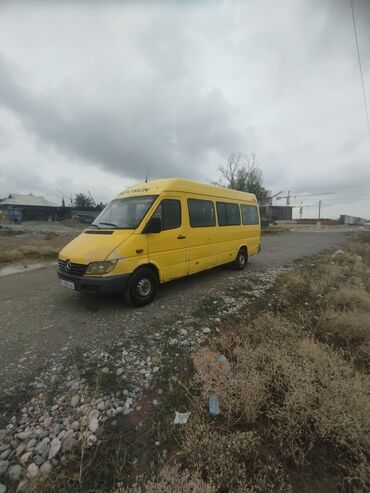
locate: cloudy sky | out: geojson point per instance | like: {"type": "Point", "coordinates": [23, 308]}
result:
{"type": "Point", "coordinates": [94, 93]}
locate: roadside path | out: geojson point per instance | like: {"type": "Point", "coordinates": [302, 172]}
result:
{"type": "Point", "coordinates": [40, 322]}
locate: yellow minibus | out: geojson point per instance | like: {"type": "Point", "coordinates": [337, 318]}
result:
{"type": "Point", "coordinates": [154, 232]}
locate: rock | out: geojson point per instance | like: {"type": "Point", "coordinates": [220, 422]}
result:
{"type": "Point", "coordinates": [93, 414]}
{"type": "Point", "coordinates": [3, 434]}
{"type": "Point", "coordinates": [206, 330]}
{"type": "Point", "coordinates": [5, 454]}
{"type": "Point", "coordinates": [31, 444]}
{"type": "Point", "coordinates": [75, 400]}
{"type": "Point", "coordinates": [119, 371]}
{"type": "Point", "coordinates": [55, 446]}
{"type": "Point", "coordinates": [24, 435]}
{"type": "Point", "coordinates": [20, 449]}
{"type": "Point", "coordinates": [38, 460]}
{"type": "Point", "coordinates": [91, 440]}
{"type": "Point", "coordinates": [184, 332]}
{"type": "Point", "coordinates": [32, 471]}
{"type": "Point", "coordinates": [75, 386]}
{"type": "Point", "coordinates": [69, 441]}
{"type": "Point", "coordinates": [26, 457]}
{"type": "Point", "coordinates": [43, 447]}
{"type": "Point", "coordinates": [64, 460]}
{"type": "Point", "coordinates": [47, 422]}
{"type": "Point", "coordinates": [93, 424]}
{"type": "Point", "coordinates": [339, 254]}
{"type": "Point", "coordinates": [75, 426]}
{"type": "Point", "coordinates": [22, 487]}
{"type": "Point", "coordinates": [155, 402]}
{"type": "Point", "coordinates": [15, 473]}
{"type": "Point", "coordinates": [61, 434]}
{"type": "Point", "coordinates": [2, 488]}
{"type": "Point", "coordinates": [46, 468]}
{"type": "Point", "coordinates": [57, 429]}
{"type": "Point", "coordinates": [4, 464]}
{"type": "Point", "coordinates": [69, 444]}
{"type": "Point", "coordinates": [101, 406]}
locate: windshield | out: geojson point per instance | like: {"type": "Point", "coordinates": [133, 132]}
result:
{"type": "Point", "coordinates": [124, 213]}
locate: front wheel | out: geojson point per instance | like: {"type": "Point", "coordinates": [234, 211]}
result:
{"type": "Point", "coordinates": [241, 259]}
{"type": "Point", "coordinates": [142, 287]}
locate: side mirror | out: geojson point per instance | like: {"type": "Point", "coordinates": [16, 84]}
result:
{"type": "Point", "coordinates": [154, 225]}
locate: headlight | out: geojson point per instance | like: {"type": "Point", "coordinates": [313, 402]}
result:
{"type": "Point", "coordinates": [100, 267]}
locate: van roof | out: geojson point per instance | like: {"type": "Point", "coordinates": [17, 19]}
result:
{"type": "Point", "coordinates": [181, 185]}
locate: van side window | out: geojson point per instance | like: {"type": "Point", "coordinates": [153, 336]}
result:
{"type": "Point", "coordinates": [228, 214]}
{"type": "Point", "coordinates": [201, 213]}
{"type": "Point", "coordinates": [169, 211]}
{"type": "Point", "coordinates": [249, 214]}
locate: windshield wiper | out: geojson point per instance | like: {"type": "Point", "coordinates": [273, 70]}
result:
{"type": "Point", "coordinates": [110, 224]}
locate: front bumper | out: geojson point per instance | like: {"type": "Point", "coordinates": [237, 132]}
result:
{"type": "Point", "coordinates": [98, 285]}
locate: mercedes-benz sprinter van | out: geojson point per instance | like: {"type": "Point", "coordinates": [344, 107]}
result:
{"type": "Point", "coordinates": [158, 231]}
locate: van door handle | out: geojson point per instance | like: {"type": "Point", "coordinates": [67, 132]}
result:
{"type": "Point", "coordinates": [181, 237]}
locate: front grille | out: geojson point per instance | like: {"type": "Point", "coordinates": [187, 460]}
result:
{"type": "Point", "coordinates": [75, 270]}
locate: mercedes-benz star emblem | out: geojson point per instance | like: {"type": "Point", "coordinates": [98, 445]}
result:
{"type": "Point", "coordinates": [68, 265]}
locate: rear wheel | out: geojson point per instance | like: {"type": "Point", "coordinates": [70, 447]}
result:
{"type": "Point", "coordinates": [241, 259]}
{"type": "Point", "coordinates": [142, 287]}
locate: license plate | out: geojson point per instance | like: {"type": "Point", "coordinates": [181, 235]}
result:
{"type": "Point", "coordinates": [67, 284]}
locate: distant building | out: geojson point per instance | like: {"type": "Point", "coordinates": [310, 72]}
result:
{"type": "Point", "coordinates": [277, 212]}
{"type": "Point", "coordinates": [20, 208]}
{"type": "Point", "coordinates": [344, 219]}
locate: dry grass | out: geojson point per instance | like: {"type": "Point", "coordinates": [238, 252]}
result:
{"type": "Point", "coordinates": [171, 480]}
{"type": "Point", "coordinates": [348, 299]}
{"type": "Point", "coordinates": [234, 461]}
{"type": "Point", "coordinates": [309, 401]}
{"type": "Point", "coordinates": [291, 405]}
{"type": "Point", "coordinates": [28, 252]}
{"type": "Point", "coordinates": [349, 330]}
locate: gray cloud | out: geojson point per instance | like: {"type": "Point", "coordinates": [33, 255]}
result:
{"type": "Point", "coordinates": [126, 133]}
{"type": "Point", "coordinates": [179, 86]}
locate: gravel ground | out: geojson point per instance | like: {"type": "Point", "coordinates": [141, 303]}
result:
{"type": "Point", "coordinates": [40, 321]}
{"type": "Point", "coordinates": [71, 362]}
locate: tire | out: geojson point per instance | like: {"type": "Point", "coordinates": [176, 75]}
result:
{"type": "Point", "coordinates": [241, 259]}
{"type": "Point", "coordinates": [142, 287]}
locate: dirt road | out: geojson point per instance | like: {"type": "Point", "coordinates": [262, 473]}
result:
{"type": "Point", "coordinates": [40, 322]}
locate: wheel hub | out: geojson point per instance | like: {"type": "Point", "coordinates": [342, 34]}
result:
{"type": "Point", "coordinates": [144, 287]}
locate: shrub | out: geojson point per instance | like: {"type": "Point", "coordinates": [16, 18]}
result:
{"type": "Point", "coordinates": [307, 400]}
{"type": "Point", "coordinates": [171, 480]}
{"type": "Point", "coordinates": [233, 461]}
{"type": "Point", "coordinates": [348, 330]}
{"type": "Point", "coordinates": [348, 299]}
{"type": "Point", "coordinates": [294, 288]}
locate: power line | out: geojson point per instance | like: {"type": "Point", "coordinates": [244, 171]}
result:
{"type": "Point", "coordinates": [360, 67]}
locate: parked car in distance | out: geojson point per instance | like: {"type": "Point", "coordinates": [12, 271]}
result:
{"type": "Point", "coordinates": [154, 232]}
{"type": "Point", "coordinates": [86, 219]}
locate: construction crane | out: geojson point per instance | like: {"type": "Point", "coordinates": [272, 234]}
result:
{"type": "Point", "coordinates": [62, 194]}
{"type": "Point", "coordinates": [92, 199]}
